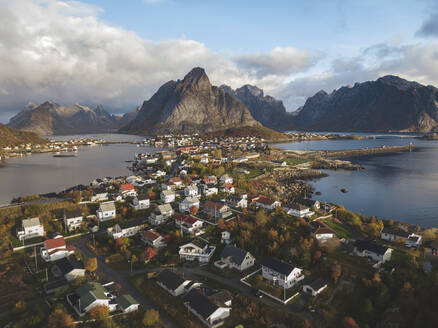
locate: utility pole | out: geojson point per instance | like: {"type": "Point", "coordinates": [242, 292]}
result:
{"type": "Point", "coordinates": [36, 260]}
{"type": "Point", "coordinates": [47, 276]}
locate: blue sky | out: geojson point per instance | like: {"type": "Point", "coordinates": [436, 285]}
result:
{"type": "Point", "coordinates": [119, 52]}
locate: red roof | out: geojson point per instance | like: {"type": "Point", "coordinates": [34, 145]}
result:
{"type": "Point", "coordinates": [228, 185]}
{"type": "Point", "coordinates": [151, 235]}
{"type": "Point", "coordinates": [266, 201]}
{"type": "Point", "coordinates": [186, 218]}
{"type": "Point", "coordinates": [55, 243]}
{"type": "Point", "coordinates": [176, 179]}
{"type": "Point", "coordinates": [214, 205]}
{"type": "Point", "coordinates": [127, 187]}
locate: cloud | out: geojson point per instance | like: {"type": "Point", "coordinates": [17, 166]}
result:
{"type": "Point", "coordinates": [61, 50]}
{"type": "Point", "coordinates": [279, 61]}
{"type": "Point", "coordinates": [429, 28]}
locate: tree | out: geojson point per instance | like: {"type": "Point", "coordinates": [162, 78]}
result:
{"type": "Point", "coordinates": [91, 264]}
{"type": "Point", "coordinates": [306, 324]}
{"type": "Point", "coordinates": [349, 322]}
{"type": "Point", "coordinates": [60, 319]}
{"type": "Point", "coordinates": [336, 270]}
{"type": "Point", "coordinates": [193, 210]}
{"type": "Point", "coordinates": [19, 307]}
{"type": "Point", "coordinates": [99, 313]}
{"type": "Point", "coordinates": [151, 317]}
{"type": "Point", "coordinates": [149, 253]}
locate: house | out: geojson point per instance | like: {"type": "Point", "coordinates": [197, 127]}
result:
{"type": "Point", "coordinates": [235, 258]}
{"type": "Point", "coordinates": [30, 228]}
{"type": "Point", "coordinates": [281, 273]}
{"type": "Point", "coordinates": [204, 160]}
{"type": "Point", "coordinates": [127, 303]}
{"type": "Point", "coordinates": [176, 181]}
{"type": "Point", "coordinates": [217, 210]}
{"type": "Point", "coordinates": [211, 179]}
{"type": "Point", "coordinates": [69, 268]}
{"type": "Point", "coordinates": [281, 163]}
{"type": "Point", "coordinates": [198, 249]}
{"type": "Point", "coordinates": [314, 204]}
{"type": "Point", "coordinates": [266, 203]}
{"type": "Point", "coordinates": [433, 247]}
{"type": "Point", "coordinates": [101, 197]}
{"type": "Point", "coordinates": [73, 219]}
{"type": "Point", "coordinates": [365, 248]}
{"type": "Point", "coordinates": [226, 179]}
{"type": "Point", "coordinates": [167, 186]}
{"type": "Point", "coordinates": [167, 196]}
{"type": "Point", "coordinates": [236, 201]}
{"type": "Point", "coordinates": [205, 309]}
{"type": "Point", "coordinates": [228, 188]}
{"type": "Point", "coordinates": [191, 191]}
{"type": "Point", "coordinates": [161, 214]}
{"type": "Point", "coordinates": [55, 249]}
{"type": "Point", "coordinates": [127, 190]}
{"type": "Point", "coordinates": [300, 211]}
{"type": "Point", "coordinates": [106, 211]}
{"type": "Point", "coordinates": [324, 233]}
{"type": "Point", "coordinates": [316, 287]}
{"type": "Point", "coordinates": [153, 239]}
{"type": "Point", "coordinates": [208, 191]}
{"type": "Point", "coordinates": [140, 203]}
{"type": "Point", "coordinates": [188, 203]}
{"type": "Point", "coordinates": [90, 295]}
{"type": "Point", "coordinates": [394, 234]}
{"type": "Point", "coordinates": [126, 229]}
{"type": "Point", "coordinates": [225, 237]}
{"type": "Point", "coordinates": [413, 240]}
{"type": "Point", "coordinates": [172, 282]}
{"type": "Point", "coordinates": [188, 224]}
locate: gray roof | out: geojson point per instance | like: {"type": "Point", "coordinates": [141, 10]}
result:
{"type": "Point", "coordinates": [73, 213]}
{"type": "Point", "coordinates": [370, 246]}
{"type": "Point", "coordinates": [169, 279]}
{"type": "Point", "coordinates": [27, 223]}
{"type": "Point", "coordinates": [278, 266]}
{"type": "Point", "coordinates": [108, 206]}
{"type": "Point", "coordinates": [236, 254]}
{"type": "Point", "coordinates": [125, 301]}
{"type": "Point", "coordinates": [318, 284]}
{"type": "Point", "coordinates": [201, 304]}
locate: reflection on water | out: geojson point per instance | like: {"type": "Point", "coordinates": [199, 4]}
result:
{"type": "Point", "coordinates": [401, 186]}
{"type": "Point", "coordinates": [43, 173]}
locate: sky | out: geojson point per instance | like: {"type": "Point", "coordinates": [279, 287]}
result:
{"type": "Point", "coordinates": [117, 53]}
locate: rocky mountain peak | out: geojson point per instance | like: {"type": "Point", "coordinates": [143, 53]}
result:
{"type": "Point", "coordinates": [252, 89]}
{"type": "Point", "coordinates": [197, 78]}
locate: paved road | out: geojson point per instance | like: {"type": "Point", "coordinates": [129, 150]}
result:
{"type": "Point", "coordinates": [121, 277]}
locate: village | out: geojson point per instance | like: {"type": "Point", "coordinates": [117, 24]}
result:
{"type": "Point", "coordinates": [218, 232]}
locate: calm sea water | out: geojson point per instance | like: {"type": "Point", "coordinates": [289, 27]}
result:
{"type": "Point", "coordinates": [43, 173]}
{"type": "Point", "coordinates": [401, 186]}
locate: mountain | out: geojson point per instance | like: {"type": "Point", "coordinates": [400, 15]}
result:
{"type": "Point", "coordinates": [190, 105]}
{"type": "Point", "coordinates": [50, 118]}
{"type": "Point", "coordinates": [388, 104]}
{"type": "Point", "coordinates": [12, 137]}
{"type": "Point", "coordinates": [266, 109]}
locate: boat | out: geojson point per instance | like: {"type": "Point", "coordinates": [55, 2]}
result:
{"type": "Point", "coordinates": [64, 155]}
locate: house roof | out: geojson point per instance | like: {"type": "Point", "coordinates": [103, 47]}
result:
{"type": "Point", "coordinates": [298, 207]}
{"type": "Point", "coordinates": [396, 231]}
{"type": "Point", "coordinates": [125, 301]}
{"type": "Point", "coordinates": [131, 223]}
{"type": "Point", "coordinates": [221, 297]}
{"type": "Point", "coordinates": [27, 223]}
{"type": "Point", "coordinates": [236, 254]}
{"type": "Point", "coordinates": [66, 265]}
{"type": "Point", "coordinates": [108, 206]}
{"type": "Point", "coordinates": [168, 192]}
{"type": "Point", "coordinates": [164, 208]}
{"type": "Point", "coordinates": [324, 230]}
{"type": "Point", "coordinates": [186, 219]}
{"type": "Point", "coordinates": [200, 304]}
{"type": "Point", "coordinates": [73, 213]}
{"type": "Point", "coordinates": [278, 266]}
{"type": "Point", "coordinates": [201, 243]}
{"type": "Point", "coordinates": [265, 201]}
{"type": "Point", "coordinates": [169, 279]}
{"type": "Point", "coordinates": [191, 200]}
{"type": "Point", "coordinates": [175, 179]}
{"type": "Point", "coordinates": [150, 235]}
{"type": "Point", "coordinates": [54, 243]}
{"type": "Point", "coordinates": [214, 205]}
{"type": "Point", "coordinates": [370, 246]}
{"type": "Point", "coordinates": [90, 292]}
{"type": "Point", "coordinates": [127, 187]}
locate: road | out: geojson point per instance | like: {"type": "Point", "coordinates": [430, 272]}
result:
{"type": "Point", "coordinates": [121, 277]}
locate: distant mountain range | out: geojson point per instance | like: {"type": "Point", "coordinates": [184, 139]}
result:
{"type": "Point", "coordinates": [194, 105]}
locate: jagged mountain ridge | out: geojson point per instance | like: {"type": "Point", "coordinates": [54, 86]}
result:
{"type": "Point", "coordinates": [388, 104]}
{"type": "Point", "coordinates": [190, 105]}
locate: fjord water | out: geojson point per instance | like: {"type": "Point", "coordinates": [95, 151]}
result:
{"type": "Point", "coordinates": [401, 186]}
{"type": "Point", "coordinates": [43, 173]}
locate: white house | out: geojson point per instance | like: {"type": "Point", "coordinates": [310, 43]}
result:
{"type": "Point", "coordinates": [324, 233]}
{"type": "Point", "coordinates": [204, 160]}
{"type": "Point", "coordinates": [126, 303]}
{"type": "Point", "coordinates": [127, 190]}
{"type": "Point", "coordinates": [188, 203]}
{"type": "Point", "coordinates": [127, 228]}
{"type": "Point", "coordinates": [228, 188]}
{"type": "Point", "coordinates": [226, 179]}
{"type": "Point", "coordinates": [394, 234]}
{"type": "Point", "coordinates": [153, 239]}
{"type": "Point", "coordinates": [209, 191]}
{"type": "Point", "coordinates": [172, 283]}
{"type": "Point", "coordinates": [161, 214]}
{"type": "Point", "coordinates": [101, 197]}
{"type": "Point", "coordinates": [316, 287]}
{"type": "Point", "coordinates": [140, 203]}
{"type": "Point", "coordinates": [106, 211]}
{"type": "Point", "coordinates": [280, 273]}
{"type": "Point", "coordinates": [211, 314]}
{"type": "Point", "coordinates": [30, 228]}
{"type": "Point", "coordinates": [191, 191]}
{"type": "Point", "coordinates": [235, 258]}
{"type": "Point", "coordinates": [198, 249]}
{"type": "Point", "coordinates": [266, 203]}
{"type": "Point", "coordinates": [188, 224]}
{"type": "Point", "coordinates": [73, 219]}
{"type": "Point", "coordinates": [90, 295]}
{"type": "Point", "coordinates": [236, 201]}
{"type": "Point", "coordinates": [226, 237]}
{"type": "Point", "coordinates": [364, 248]}
{"type": "Point", "coordinates": [167, 196]}
{"type": "Point", "coordinates": [69, 268]}
{"type": "Point", "coordinates": [217, 210]}
{"type": "Point", "coordinates": [300, 211]}
{"type": "Point", "coordinates": [55, 249]}
{"type": "Point", "coordinates": [413, 240]}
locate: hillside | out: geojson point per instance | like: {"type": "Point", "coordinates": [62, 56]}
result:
{"type": "Point", "coordinates": [12, 137]}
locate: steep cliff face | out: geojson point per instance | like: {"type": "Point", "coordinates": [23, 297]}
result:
{"type": "Point", "coordinates": [265, 109]}
{"type": "Point", "coordinates": [190, 105]}
{"type": "Point", "coordinates": [387, 104]}
{"type": "Point", "coordinates": [50, 118]}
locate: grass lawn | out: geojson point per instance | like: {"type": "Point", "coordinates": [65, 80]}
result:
{"type": "Point", "coordinates": [340, 230]}
{"type": "Point", "coordinates": [295, 160]}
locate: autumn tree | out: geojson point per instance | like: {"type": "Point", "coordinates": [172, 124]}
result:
{"type": "Point", "coordinates": [149, 253]}
{"type": "Point", "coordinates": [91, 264]}
{"type": "Point", "coordinates": [349, 322]}
{"type": "Point", "coordinates": [60, 319]}
{"type": "Point", "coordinates": [336, 271]}
{"type": "Point", "coordinates": [151, 317]}
{"type": "Point", "coordinates": [193, 210]}
{"type": "Point", "coordinates": [99, 313]}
